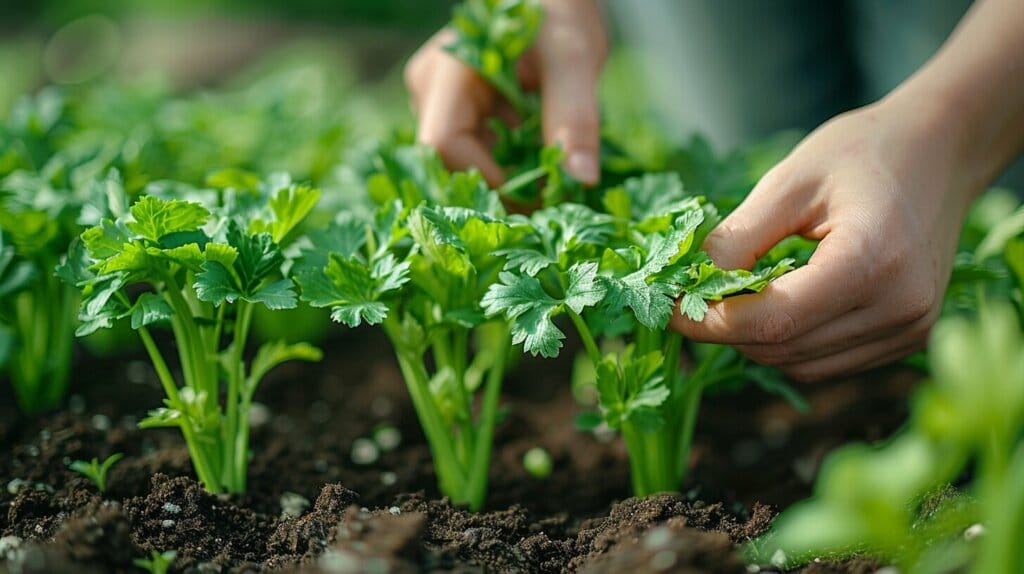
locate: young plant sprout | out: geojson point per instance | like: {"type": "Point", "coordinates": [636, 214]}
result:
{"type": "Point", "coordinates": [175, 261]}
{"type": "Point", "coordinates": [95, 470]}
{"type": "Point", "coordinates": [158, 562]}
{"type": "Point", "coordinates": [538, 462]}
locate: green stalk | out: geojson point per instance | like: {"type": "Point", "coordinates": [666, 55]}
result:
{"type": "Point", "coordinates": [235, 466]}
{"type": "Point", "coordinates": [588, 339]}
{"type": "Point", "coordinates": [480, 463]}
{"type": "Point", "coordinates": [451, 477]}
{"type": "Point", "coordinates": [200, 460]}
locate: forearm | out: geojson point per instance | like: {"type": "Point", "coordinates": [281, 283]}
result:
{"type": "Point", "coordinates": [975, 84]}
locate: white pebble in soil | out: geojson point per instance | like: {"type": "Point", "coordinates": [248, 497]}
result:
{"type": "Point", "coordinates": [364, 451]}
{"type": "Point", "coordinates": [15, 485]}
{"type": "Point", "coordinates": [171, 508]}
{"type": "Point", "coordinates": [101, 422]}
{"type": "Point", "coordinates": [658, 537]}
{"type": "Point", "coordinates": [259, 415]}
{"type": "Point", "coordinates": [293, 504]}
{"type": "Point", "coordinates": [388, 478]}
{"type": "Point", "coordinates": [168, 523]}
{"type": "Point", "coordinates": [395, 510]}
{"type": "Point", "coordinates": [388, 438]}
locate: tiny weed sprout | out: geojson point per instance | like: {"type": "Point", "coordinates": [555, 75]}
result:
{"type": "Point", "coordinates": [419, 267]}
{"type": "Point", "coordinates": [158, 562]}
{"type": "Point", "coordinates": [538, 462]}
{"type": "Point", "coordinates": [95, 470]}
{"type": "Point", "coordinates": [203, 271]}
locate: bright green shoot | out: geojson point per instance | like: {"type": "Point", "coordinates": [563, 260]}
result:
{"type": "Point", "coordinates": [158, 562]}
{"type": "Point", "coordinates": [95, 470]}
{"type": "Point", "coordinates": [173, 261]}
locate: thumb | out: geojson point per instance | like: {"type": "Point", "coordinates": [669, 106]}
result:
{"type": "Point", "coordinates": [772, 212]}
{"type": "Point", "coordinates": [569, 72]}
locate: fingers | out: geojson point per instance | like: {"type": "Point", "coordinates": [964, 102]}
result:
{"type": "Point", "coordinates": [452, 108]}
{"type": "Point", "coordinates": [569, 69]}
{"type": "Point", "coordinates": [852, 330]}
{"type": "Point", "coordinates": [859, 359]}
{"type": "Point", "coordinates": [780, 205]}
{"type": "Point", "coordinates": [829, 286]}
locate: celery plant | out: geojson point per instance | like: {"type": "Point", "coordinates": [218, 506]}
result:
{"type": "Point", "coordinates": [618, 274]}
{"type": "Point", "coordinates": [419, 268]}
{"type": "Point", "coordinates": [175, 261]}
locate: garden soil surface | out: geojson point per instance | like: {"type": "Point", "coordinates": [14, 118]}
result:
{"type": "Point", "coordinates": [337, 444]}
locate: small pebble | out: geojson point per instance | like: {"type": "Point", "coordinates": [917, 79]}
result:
{"type": "Point", "coordinates": [168, 523]}
{"type": "Point", "coordinates": [887, 570]}
{"type": "Point", "coordinates": [32, 450]}
{"type": "Point", "coordinates": [209, 568]}
{"type": "Point", "coordinates": [778, 559]}
{"type": "Point", "coordinates": [388, 478]}
{"type": "Point", "coordinates": [15, 485]}
{"type": "Point", "coordinates": [974, 531]}
{"type": "Point", "coordinates": [137, 372]}
{"type": "Point", "coordinates": [388, 438]}
{"type": "Point", "coordinates": [171, 508]}
{"type": "Point", "coordinates": [658, 537]}
{"type": "Point", "coordinates": [381, 406]}
{"type": "Point", "coordinates": [746, 452]}
{"type": "Point", "coordinates": [364, 451]}
{"type": "Point", "coordinates": [394, 510]}
{"type": "Point", "coordinates": [753, 568]}
{"type": "Point", "coordinates": [101, 422]}
{"type": "Point", "coordinates": [319, 412]}
{"type": "Point", "coordinates": [259, 415]}
{"type": "Point", "coordinates": [43, 487]}
{"type": "Point", "coordinates": [663, 560]}
{"type": "Point", "coordinates": [45, 435]}
{"type": "Point", "coordinates": [9, 544]}
{"type": "Point", "coordinates": [76, 404]}
{"type": "Point", "coordinates": [293, 504]}
{"type": "Point", "coordinates": [339, 561]}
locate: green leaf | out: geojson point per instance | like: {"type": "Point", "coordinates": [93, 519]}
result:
{"type": "Point", "coordinates": [583, 290]}
{"type": "Point", "coordinates": [150, 308]}
{"type": "Point", "coordinates": [155, 218]}
{"type": "Point", "coordinates": [352, 289]}
{"type": "Point", "coordinates": [274, 353]}
{"type": "Point", "coordinates": [290, 206]}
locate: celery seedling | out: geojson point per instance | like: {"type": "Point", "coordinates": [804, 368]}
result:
{"type": "Point", "coordinates": [174, 261]}
{"type": "Point", "coordinates": [619, 274]}
{"type": "Point", "coordinates": [419, 269]}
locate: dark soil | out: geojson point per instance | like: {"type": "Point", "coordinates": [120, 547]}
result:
{"type": "Point", "coordinates": [754, 454]}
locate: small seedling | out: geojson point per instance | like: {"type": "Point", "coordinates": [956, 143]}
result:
{"type": "Point", "coordinates": [538, 462]}
{"type": "Point", "coordinates": [158, 562]}
{"type": "Point", "coordinates": [96, 471]}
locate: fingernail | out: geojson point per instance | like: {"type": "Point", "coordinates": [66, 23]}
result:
{"type": "Point", "coordinates": [583, 166]}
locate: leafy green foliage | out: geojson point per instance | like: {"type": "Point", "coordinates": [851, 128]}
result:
{"type": "Point", "coordinates": [95, 470]}
{"type": "Point", "coordinates": [879, 500]}
{"type": "Point", "coordinates": [202, 270]}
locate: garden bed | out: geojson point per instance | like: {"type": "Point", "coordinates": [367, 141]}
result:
{"type": "Point", "coordinates": [753, 456]}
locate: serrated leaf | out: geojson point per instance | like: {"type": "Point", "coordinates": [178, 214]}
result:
{"type": "Point", "coordinates": [155, 218]}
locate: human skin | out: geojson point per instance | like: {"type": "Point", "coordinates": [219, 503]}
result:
{"type": "Point", "coordinates": [884, 188]}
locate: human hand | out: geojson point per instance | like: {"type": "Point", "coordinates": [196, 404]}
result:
{"type": "Point", "coordinates": [880, 187]}
{"type": "Point", "coordinates": [453, 102]}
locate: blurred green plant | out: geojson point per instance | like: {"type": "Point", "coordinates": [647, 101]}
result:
{"type": "Point", "coordinates": [881, 501]}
